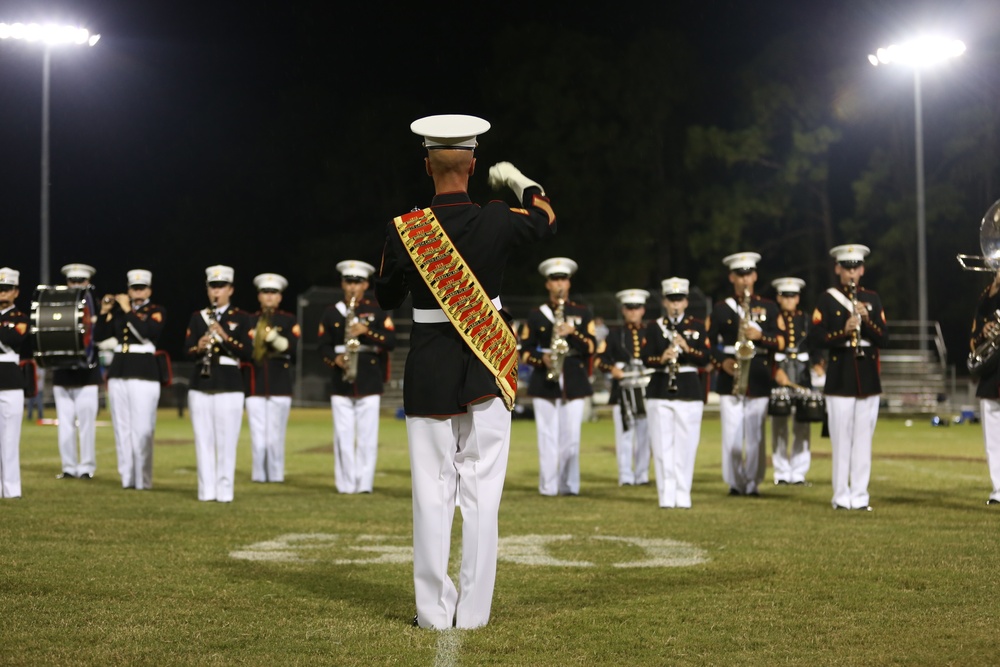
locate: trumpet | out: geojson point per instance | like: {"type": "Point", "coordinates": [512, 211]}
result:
{"type": "Point", "coordinates": [744, 348]}
{"type": "Point", "coordinates": [852, 290]}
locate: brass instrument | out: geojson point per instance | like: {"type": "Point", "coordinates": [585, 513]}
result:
{"type": "Point", "coordinates": [673, 366]}
{"type": "Point", "coordinates": [983, 359]}
{"type": "Point", "coordinates": [559, 347]}
{"type": "Point", "coordinates": [852, 291]}
{"type": "Point", "coordinates": [206, 360]}
{"type": "Point", "coordinates": [745, 350]}
{"type": "Point", "coordinates": [351, 345]}
{"type": "Point", "coordinates": [989, 243]}
{"type": "Point", "coordinates": [260, 344]}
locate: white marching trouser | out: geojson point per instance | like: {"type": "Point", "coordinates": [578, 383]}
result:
{"type": "Point", "coordinates": [461, 458]}
{"type": "Point", "coordinates": [76, 411]}
{"type": "Point", "coordinates": [632, 448]}
{"type": "Point", "coordinates": [216, 419]}
{"type": "Point", "coordinates": [267, 417]}
{"type": "Point", "coordinates": [558, 423]}
{"type": "Point", "coordinates": [133, 416]}
{"type": "Point", "coordinates": [790, 459]}
{"type": "Point", "coordinates": [355, 442]}
{"type": "Point", "coordinates": [744, 421]}
{"type": "Point", "coordinates": [11, 413]}
{"type": "Point", "coordinates": [990, 411]}
{"type": "Point", "coordinates": [852, 426]}
{"type": "Point", "coordinates": [675, 431]}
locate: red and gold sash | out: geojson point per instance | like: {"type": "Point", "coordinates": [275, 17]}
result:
{"type": "Point", "coordinates": [468, 307]}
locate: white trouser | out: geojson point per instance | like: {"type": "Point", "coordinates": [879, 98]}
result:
{"type": "Point", "coordinates": [852, 425]}
{"type": "Point", "coordinates": [76, 409]}
{"type": "Point", "coordinates": [990, 410]}
{"type": "Point", "coordinates": [133, 415]}
{"type": "Point", "coordinates": [790, 460]}
{"type": "Point", "coordinates": [632, 448]}
{"type": "Point", "coordinates": [11, 412]}
{"type": "Point", "coordinates": [744, 421]}
{"type": "Point", "coordinates": [675, 431]}
{"type": "Point", "coordinates": [463, 457]}
{"type": "Point", "coordinates": [216, 420]}
{"type": "Point", "coordinates": [558, 425]}
{"type": "Point", "coordinates": [268, 419]}
{"type": "Point", "coordinates": [355, 442]}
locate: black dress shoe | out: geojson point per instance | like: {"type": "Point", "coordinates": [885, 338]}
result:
{"type": "Point", "coordinates": [734, 492]}
{"type": "Point", "coordinates": [66, 475]}
{"type": "Point", "coordinates": [780, 482]}
{"type": "Point", "coordinates": [993, 501]}
{"type": "Point", "coordinates": [414, 622]}
{"type": "Point", "coordinates": [86, 475]}
{"type": "Point", "coordinates": [840, 507]}
{"type": "Point", "coordinates": [866, 508]}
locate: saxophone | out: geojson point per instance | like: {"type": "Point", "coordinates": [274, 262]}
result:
{"type": "Point", "coordinates": [559, 347]}
{"type": "Point", "coordinates": [745, 349]}
{"type": "Point", "coordinates": [852, 291]}
{"type": "Point", "coordinates": [206, 360]}
{"type": "Point", "coordinates": [351, 345]}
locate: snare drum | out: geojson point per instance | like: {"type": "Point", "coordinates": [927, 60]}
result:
{"type": "Point", "coordinates": [810, 407]}
{"type": "Point", "coordinates": [780, 404]}
{"type": "Point", "coordinates": [62, 327]}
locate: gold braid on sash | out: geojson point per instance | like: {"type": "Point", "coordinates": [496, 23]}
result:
{"type": "Point", "coordinates": [456, 289]}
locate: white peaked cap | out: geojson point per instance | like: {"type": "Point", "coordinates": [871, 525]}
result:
{"type": "Point", "coordinates": [79, 271]}
{"type": "Point", "coordinates": [219, 273]}
{"type": "Point", "coordinates": [270, 281]}
{"type": "Point", "coordinates": [455, 131]}
{"type": "Point", "coordinates": [742, 261]}
{"type": "Point", "coordinates": [851, 252]}
{"type": "Point", "coordinates": [638, 296]}
{"type": "Point", "coordinates": [675, 286]}
{"type": "Point", "coordinates": [788, 284]}
{"type": "Point", "coordinates": [9, 276]}
{"type": "Point", "coordinates": [355, 269]}
{"type": "Point", "coordinates": [557, 265]}
{"type": "Point", "coordinates": [140, 277]}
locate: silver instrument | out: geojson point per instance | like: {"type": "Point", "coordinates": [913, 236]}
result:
{"type": "Point", "coordinates": [633, 392]}
{"type": "Point", "coordinates": [983, 360]}
{"type": "Point", "coordinates": [351, 345]}
{"type": "Point", "coordinates": [852, 291]}
{"type": "Point", "coordinates": [559, 346]}
{"type": "Point", "coordinates": [745, 348]}
{"type": "Point", "coordinates": [673, 366]}
{"type": "Point", "coordinates": [206, 360]}
{"type": "Point", "coordinates": [989, 243]}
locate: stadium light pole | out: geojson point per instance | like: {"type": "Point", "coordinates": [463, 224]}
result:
{"type": "Point", "coordinates": [49, 36]}
{"type": "Point", "coordinates": [919, 53]}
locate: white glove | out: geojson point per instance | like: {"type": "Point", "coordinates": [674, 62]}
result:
{"type": "Point", "coordinates": [271, 335]}
{"type": "Point", "coordinates": [280, 343]}
{"type": "Point", "coordinates": [108, 344]}
{"type": "Point", "coordinates": [504, 173]}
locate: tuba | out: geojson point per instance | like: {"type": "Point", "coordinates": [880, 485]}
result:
{"type": "Point", "coordinates": [351, 345]}
{"type": "Point", "coordinates": [559, 346]}
{"type": "Point", "coordinates": [744, 348]}
{"type": "Point", "coordinates": [989, 243]}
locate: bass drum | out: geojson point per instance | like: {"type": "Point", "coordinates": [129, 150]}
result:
{"type": "Point", "coordinates": [62, 327]}
{"type": "Point", "coordinates": [811, 407]}
{"type": "Point", "coordinates": [780, 404]}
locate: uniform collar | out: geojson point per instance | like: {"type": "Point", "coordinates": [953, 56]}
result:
{"type": "Point", "coordinates": [450, 199]}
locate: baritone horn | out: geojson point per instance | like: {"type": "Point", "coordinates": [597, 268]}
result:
{"type": "Point", "coordinates": [989, 242]}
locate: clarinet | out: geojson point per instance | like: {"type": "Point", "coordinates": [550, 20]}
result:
{"type": "Point", "coordinates": [206, 360]}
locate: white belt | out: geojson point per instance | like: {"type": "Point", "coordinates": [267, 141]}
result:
{"type": "Point", "coordinates": [10, 357]}
{"type": "Point", "coordinates": [227, 361]}
{"type": "Point", "coordinates": [342, 349]}
{"type": "Point", "coordinates": [680, 369]}
{"type": "Point", "coordinates": [729, 349]}
{"type": "Point", "coordinates": [438, 316]}
{"type": "Point", "coordinates": [799, 356]}
{"type": "Point", "coordinates": [142, 348]}
{"type": "Point", "coordinates": [861, 343]}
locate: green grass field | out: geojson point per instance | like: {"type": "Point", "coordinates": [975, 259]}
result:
{"type": "Point", "coordinates": [295, 574]}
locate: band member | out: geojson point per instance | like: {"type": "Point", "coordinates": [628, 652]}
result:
{"type": "Point", "coordinates": [13, 330]}
{"type": "Point", "coordinates": [130, 325]}
{"type": "Point", "coordinates": [676, 346]}
{"type": "Point", "coordinates": [355, 337]}
{"type": "Point", "coordinates": [460, 381]}
{"type": "Point", "coordinates": [76, 394]}
{"type": "Point", "coordinates": [275, 335]}
{"type": "Point", "coordinates": [850, 323]}
{"type": "Point", "coordinates": [218, 338]}
{"type": "Point", "coordinates": [986, 327]}
{"type": "Point", "coordinates": [791, 459]}
{"type": "Point", "coordinates": [622, 358]}
{"type": "Point", "coordinates": [558, 340]}
{"type": "Point", "coordinates": [749, 323]}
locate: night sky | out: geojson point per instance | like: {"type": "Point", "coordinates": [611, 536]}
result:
{"type": "Point", "coordinates": [191, 136]}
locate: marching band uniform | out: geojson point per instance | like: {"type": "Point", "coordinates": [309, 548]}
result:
{"type": "Point", "coordinates": [675, 405]}
{"type": "Point", "coordinates": [76, 394]}
{"type": "Point", "coordinates": [559, 403]}
{"type": "Point", "coordinates": [852, 379]}
{"type": "Point", "coordinates": [13, 330]}
{"type": "Point", "coordinates": [275, 335]}
{"type": "Point", "coordinates": [457, 417]}
{"type": "Point", "coordinates": [791, 459]}
{"type": "Point", "coordinates": [356, 403]}
{"type": "Point", "coordinates": [988, 390]}
{"type": "Point", "coordinates": [623, 353]}
{"type": "Point", "coordinates": [216, 401]}
{"type": "Point", "coordinates": [743, 417]}
{"type": "Point", "coordinates": [130, 326]}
